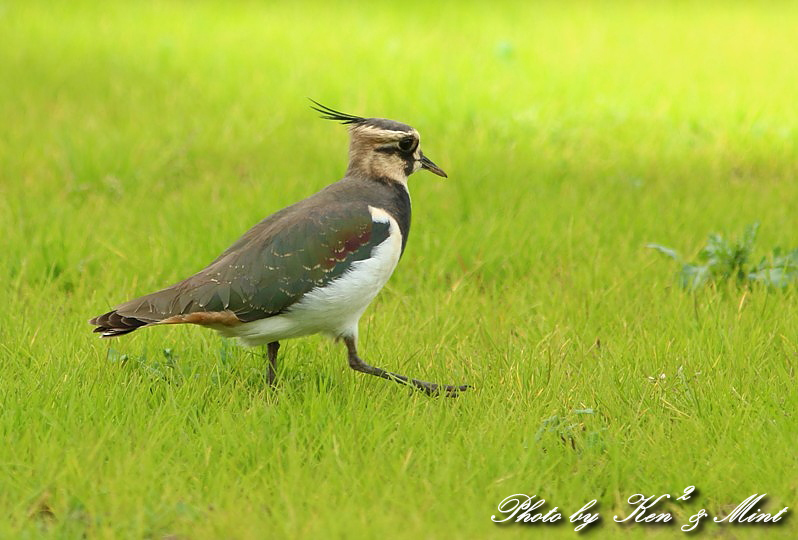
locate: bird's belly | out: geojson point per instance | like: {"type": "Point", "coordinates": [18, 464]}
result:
{"type": "Point", "coordinates": [335, 308]}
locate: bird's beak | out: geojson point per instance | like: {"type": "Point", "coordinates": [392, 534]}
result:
{"type": "Point", "coordinates": [426, 163]}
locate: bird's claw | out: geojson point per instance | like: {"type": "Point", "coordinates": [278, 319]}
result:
{"type": "Point", "coordinates": [435, 390]}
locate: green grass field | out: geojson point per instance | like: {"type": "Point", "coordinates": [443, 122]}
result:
{"type": "Point", "coordinates": [140, 139]}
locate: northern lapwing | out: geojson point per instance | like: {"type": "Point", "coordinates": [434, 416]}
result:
{"type": "Point", "coordinates": [312, 267]}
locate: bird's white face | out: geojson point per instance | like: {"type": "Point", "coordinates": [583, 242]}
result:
{"type": "Point", "coordinates": [381, 152]}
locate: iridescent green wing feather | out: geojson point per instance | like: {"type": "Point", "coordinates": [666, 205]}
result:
{"type": "Point", "coordinates": [270, 268]}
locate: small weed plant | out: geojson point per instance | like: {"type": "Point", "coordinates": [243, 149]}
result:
{"type": "Point", "coordinates": [722, 260]}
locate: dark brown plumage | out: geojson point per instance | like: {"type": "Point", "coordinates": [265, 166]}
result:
{"type": "Point", "coordinates": [303, 246]}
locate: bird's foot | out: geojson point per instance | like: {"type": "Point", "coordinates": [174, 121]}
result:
{"type": "Point", "coordinates": [434, 390]}
{"type": "Point", "coordinates": [431, 389]}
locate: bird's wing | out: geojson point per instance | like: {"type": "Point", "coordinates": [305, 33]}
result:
{"type": "Point", "coordinates": [269, 268]}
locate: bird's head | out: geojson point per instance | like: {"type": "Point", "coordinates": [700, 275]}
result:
{"type": "Point", "coordinates": [381, 148]}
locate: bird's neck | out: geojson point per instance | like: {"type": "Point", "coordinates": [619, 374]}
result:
{"type": "Point", "coordinates": [370, 164]}
{"type": "Point", "coordinates": [381, 174]}
{"type": "Point", "coordinates": [380, 192]}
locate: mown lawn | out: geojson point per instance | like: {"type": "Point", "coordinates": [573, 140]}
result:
{"type": "Point", "coordinates": [139, 139]}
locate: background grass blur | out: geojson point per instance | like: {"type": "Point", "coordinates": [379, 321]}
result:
{"type": "Point", "coordinates": [139, 139]}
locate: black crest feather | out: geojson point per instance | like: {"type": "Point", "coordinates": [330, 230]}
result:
{"type": "Point", "coordinates": [331, 114]}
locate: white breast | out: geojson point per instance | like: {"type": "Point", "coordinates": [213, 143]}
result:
{"type": "Point", "coordinates": [334, 309]}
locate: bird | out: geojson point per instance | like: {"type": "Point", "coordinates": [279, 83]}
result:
{"type": "Point", "coordinates": [310, 268]}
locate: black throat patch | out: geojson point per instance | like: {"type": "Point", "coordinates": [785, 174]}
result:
{"type": "Point", "coordinates": [398, 206]}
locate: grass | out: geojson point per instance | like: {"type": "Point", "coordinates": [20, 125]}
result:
{"type": "Point", "coordinates": [140, 139]}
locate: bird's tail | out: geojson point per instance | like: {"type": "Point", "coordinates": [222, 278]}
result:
{"type": "Point", "coordinates": [143, 311]}
{"type": "Point", "coordinates": [113, 324]}
{"type": "Point", "coordinates": [184, 302]}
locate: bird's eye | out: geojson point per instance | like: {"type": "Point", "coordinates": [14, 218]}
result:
{"type": "Point", "coordinates": [408, 144]}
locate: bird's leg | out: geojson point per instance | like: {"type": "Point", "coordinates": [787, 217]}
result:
{"type": "Point", "coordinates": [431, 389]}
{"type": "Point", "coordinates": [272, 349]}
